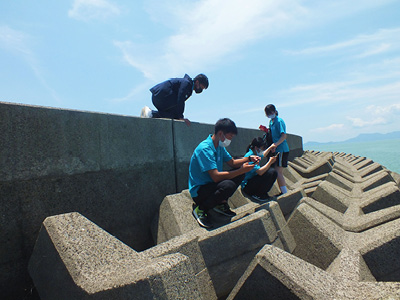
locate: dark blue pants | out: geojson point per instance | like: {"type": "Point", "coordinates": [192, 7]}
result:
{"type": "Point", "coordinates": [166, 109]}
{"type": "Point", "coordinates": [260, 185]}
{"type": "Point", "coordinates": [214, 193]}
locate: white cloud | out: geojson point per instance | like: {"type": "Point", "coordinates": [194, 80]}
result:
{"type": "Point", "coordinates": [208, 31]}
{"type": "Point", "coordinates": [211, 32]}
{"type": "Point", "coordinates": [371, 83]}
{"type": "Point", "coordinates": [390, 110]}
{"type": "Point", "coordinates": [137, 90]}
{"type": "Point", "coordinates": [86, 10]}
{"type": "Point", "coordinates": [375, 50]}
{"type": "Point", "coordinates": [364, 45]}
{"type": "Point", "coordinates": [332, 127]}
{"type": "Point", "coordinates": [142, 58]}
{"type": "Point", "coordinates": [358, 122]}
{"type": "Point", "coordinates": [13, 40]}
{"type": "Point", "coordinates": [376, 115]}
{"type": "Point", "coordinates": [18, 42]}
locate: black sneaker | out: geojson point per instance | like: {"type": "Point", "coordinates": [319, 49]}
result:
{"type": "Point", "coordinates": [257, 198]}
{"type": "Point", "coordinates": [202, 217]}
{"type": "Point", "coordinates": [263, 199]}
{"type": "Point", "coordinates": [225, 210]}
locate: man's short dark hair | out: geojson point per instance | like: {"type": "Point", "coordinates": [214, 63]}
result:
{"type": "Point", "coordinates": [202, 80]}
{"type": "Point", "coordinates": [226, 125]}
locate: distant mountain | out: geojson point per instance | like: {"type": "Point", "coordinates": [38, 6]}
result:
{"type": "Point", "coordinates": [364, 137]}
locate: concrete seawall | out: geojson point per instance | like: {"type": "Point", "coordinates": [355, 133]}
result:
{"type": "Point", "coordinates": [115, 170]}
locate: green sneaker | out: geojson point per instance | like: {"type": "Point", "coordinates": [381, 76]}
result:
{"type": "Point", "coordinates": [202, 217]}
{"type": "Point", "coordinates": [225, 210]}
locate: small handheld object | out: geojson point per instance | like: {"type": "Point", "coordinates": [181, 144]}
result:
{"type": "Point", "coordinates": [277, 154]}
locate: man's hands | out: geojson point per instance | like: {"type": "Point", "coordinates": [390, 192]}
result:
{"type": "Point", "coordinates": [246, 167]}
{"type": "Point", "coordinates": [255, 159]}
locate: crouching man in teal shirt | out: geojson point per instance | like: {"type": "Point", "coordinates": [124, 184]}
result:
{"type": "Point", "coordinates": [210, 186]}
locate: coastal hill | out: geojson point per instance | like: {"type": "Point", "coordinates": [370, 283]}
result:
{"type": "Point", "coordinates": [364, 137]}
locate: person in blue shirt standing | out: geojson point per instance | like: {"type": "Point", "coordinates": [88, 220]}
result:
{"type": "Point", "coordinates": [209, 185]}
{"type": "Point", "coordinates": [169, 97]}
{"type": "Point", "coordinates": [260, 180]}
{"type": "Point", "coordinates": [280, 145]}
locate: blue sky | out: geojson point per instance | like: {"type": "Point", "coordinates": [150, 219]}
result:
{"type": "Point", "coordinates": [332, 68]}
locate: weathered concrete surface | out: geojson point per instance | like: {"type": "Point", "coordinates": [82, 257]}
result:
{"type": "Point", "coordinates": [115, 170]}
{"type": "Point", "coordinates": [340, 242]}
{"type": "Point", "coordinates": [347, 240]}
{"type": "Point", "coordinates": [275, 274]}
{"type": "Point", "coordinates": [307, 172]}
{"type": "Point", "coordinates": [188, 245]}
{"type": "Point", "coordinates": [55, 161]}
{"type": "Point", "coordinates": [75, 259]}
{"type": "Point", "coordinates": [228, 249]}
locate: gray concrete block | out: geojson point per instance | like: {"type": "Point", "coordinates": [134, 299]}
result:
{"type": "Point", "coordinates": [337, 227]}
{"type": "Point", "coordinates": [380, 248]}
{"type": "Point", "coordinates": [384, 196]}
{"type": "Point", "coordinates": [227, 242]}
{"type": "Point", "coordinates": [332, 196]}
{"type": "Point", "coordinates": [175, 217]}
{"type": "Point", "coordinates": [285, 235]}
{"type": "Point", "coordinates": [188, 245]}
{"type": "Point", "coordinates": [339, 181]}
{"type": "Point", "coordinates": [239, 198]}
{"type": "Point", "coordinates": [350, 265]}
{"type": "Point", "coordinates": [370, 170]}
{"type": "Point", "coordinates": [75, 259]}
{"type": "Point", "coordinates": [288, 202]}
{"type": "Point", "coordinates": [318, 240]}
{"type": "Point", "coordinates": [319, 167]}
{"type": "Point", "coordinates": [232, 247]}
{"type": "Point", "coordinates": [375, 180]}
{"type": "Point", "coordinates": [281, 275]}
{"type": "Point", "coordinates": [396, 178]}
{"type": "Point", "coordinates": [278, 275]}
{"type": "Point", "coordinates": [226, 274]}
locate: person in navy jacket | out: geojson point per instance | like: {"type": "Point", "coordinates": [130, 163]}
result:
{"type": "Point", "coordinates": [169, 97]}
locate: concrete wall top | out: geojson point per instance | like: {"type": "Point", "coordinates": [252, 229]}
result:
{"type": "Point", "coordinates": [39, 141]}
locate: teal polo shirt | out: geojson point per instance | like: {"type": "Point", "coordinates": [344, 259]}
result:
{"type": "Point", "coordinates": [278, 127]}
{"type": "Point", "coordinates": [205, 158]}
{"type": "Point", "coordinates": [251, 173]}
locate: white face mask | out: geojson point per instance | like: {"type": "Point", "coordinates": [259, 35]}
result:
{"type": "Point", "coordinates": [260, 153]}
{"type": "Point", "coordinates": [271, 116]}
{"type": "Point", "coordinates": [225, 143]}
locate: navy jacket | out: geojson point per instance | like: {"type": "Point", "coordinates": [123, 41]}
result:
{"type": "Point", "coordinates": [170, 95]}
